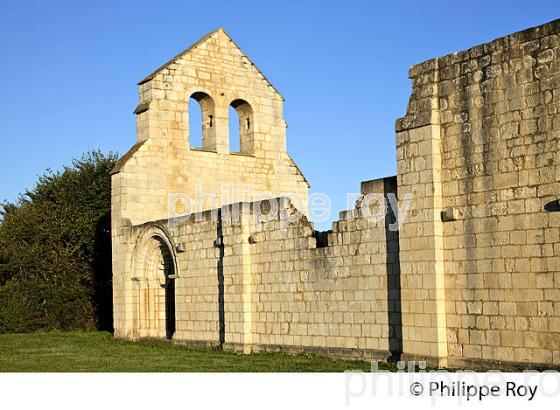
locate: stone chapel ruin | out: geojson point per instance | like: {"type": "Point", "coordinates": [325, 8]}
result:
{"type": "Point", "coordinates": [472, 277]}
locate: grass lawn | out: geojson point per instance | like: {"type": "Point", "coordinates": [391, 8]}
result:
{"type": "Point", "coordinates": [99, 352]}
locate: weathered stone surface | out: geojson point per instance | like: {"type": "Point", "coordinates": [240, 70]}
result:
{"type": "Point", "coordinates": [162, 166]}
{"type": "Point", "coordinates": [491, 125]}
{"type": "Point", "coordinates": [472, 276]}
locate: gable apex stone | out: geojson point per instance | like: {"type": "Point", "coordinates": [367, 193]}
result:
{"type": "Point", "coordinates": [197, 44]}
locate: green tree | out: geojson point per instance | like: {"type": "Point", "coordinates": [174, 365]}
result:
{"type": "Point", "coordinates": [55, 250]}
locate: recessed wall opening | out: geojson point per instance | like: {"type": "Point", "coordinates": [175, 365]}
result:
{"type": "Point", "coordinates": [195, 119]}
{"type": "Point", "coordinates": [241, 127]}
{"type": "Point", "coordinates": [154, 275]}
{"type": "Point", "coordinates": [322, 238]}
{"type": "Point", "coordinates": [234, 140]}
{"type": "Point", "coordinates": [202, 134]}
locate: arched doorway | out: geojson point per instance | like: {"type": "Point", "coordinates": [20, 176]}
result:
{"type": "Point", "coordinates": [154, 274]}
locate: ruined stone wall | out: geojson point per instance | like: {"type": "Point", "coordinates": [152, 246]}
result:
{"type": "Point", "coordinates": [254, 284]}
{"type": "Point", "coordinates": [196, 287]}
{"type": "Point", "coordinates": [471, 277]}
{"type": "Point", "coordinates": [480, 142]}
{"type": "Point", "coordinates": [334, 297]}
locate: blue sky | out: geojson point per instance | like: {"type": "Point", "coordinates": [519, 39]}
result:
{"type": "Point", "coordinates": [69, 72]}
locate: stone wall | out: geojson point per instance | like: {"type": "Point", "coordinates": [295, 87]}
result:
{"type": "Point", "coordinates": [334, 297]}
{"type": "Point", "coordinates": [255, 282]}
{"type": "Point", "coordinates": [471, 277]}
{"type": "Point", "coordinates": [480, 142]}
{"type": "Point", "coordinates": [162, 176]}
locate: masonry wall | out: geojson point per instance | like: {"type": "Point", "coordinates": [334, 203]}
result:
{"type": "Point", "coordinates": [162, 162]}
{"type": "Point", "coordinates": [480, 142]}
{"type": "Point", "coordinates": [334, 297]}
{"type": "Point", "coordinates": [162, 176]}
{"type": "Point", "coordinates": [270, 287]}
{"type": "Point", "coordinates": [471, 277]}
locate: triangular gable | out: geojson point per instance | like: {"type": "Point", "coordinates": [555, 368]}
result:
{"type": "Point", "coordinates": [199, 42]}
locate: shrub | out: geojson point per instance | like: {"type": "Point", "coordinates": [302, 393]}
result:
{"type": "Point", "coordinates": [55, 250]}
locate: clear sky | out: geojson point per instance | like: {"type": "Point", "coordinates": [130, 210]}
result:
{"type": "Point", "coordinates": [69, 71]}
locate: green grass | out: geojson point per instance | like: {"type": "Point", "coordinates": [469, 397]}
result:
{"type": "Point", "coordinates": [100, 352]}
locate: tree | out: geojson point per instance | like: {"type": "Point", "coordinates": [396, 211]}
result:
{"type": "Point", "coordinates": [55, 250]}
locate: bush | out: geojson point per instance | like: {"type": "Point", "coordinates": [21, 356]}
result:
{"type": "Point", "coordinates": [55, 251]}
